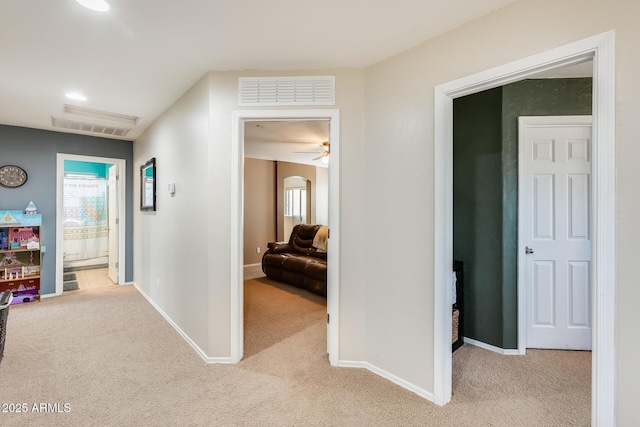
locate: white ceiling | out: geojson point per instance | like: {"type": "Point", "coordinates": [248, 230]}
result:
{"type": "Point", "coordinates": [298, 141]}
{"type": "Point", "coordinates": [141, 56]}
{"type": "Point", "coordinates": [581, 69]}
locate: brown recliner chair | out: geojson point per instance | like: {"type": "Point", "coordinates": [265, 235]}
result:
{"type": "Point", "coordinates": [298, 262]}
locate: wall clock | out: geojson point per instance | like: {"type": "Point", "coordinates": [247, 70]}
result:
{"type": "Point", "coordinates": [12, 176]}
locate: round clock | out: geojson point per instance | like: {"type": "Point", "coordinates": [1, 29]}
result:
{"type": "Point", "coordinates": [12, 176]}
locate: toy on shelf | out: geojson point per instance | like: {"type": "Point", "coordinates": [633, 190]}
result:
{"type": "Point", "coordinates": [31, 209]}
{"type": "Point", "coordinates": [21, 253]}
{"type": "Point", "coordinates": [10, 259]}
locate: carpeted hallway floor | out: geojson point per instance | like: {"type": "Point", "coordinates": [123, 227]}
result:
{"type": "Point", "coordinates": [107, 358]}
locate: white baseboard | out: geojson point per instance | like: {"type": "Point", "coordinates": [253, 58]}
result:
{"type": "Point", "coordinates": [384, 374]}
{"type": "Point", "coordinates": [49, 295]}
{"type": "Point", "coordinates": [506, 352]}
{"type": "Point", "coordinates": [199, 351]}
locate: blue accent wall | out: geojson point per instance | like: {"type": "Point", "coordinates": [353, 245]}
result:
{"type": "Point", "coordinates": [36, 151]}
{"type": "Point", "coordinates": [100, 170]}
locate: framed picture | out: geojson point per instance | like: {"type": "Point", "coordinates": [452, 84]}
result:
{"type": "Point", "coordinates": [148, 186]}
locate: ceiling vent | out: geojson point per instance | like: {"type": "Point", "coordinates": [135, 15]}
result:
{"type": "Point", "coordinates": [94, 121]}
{"type": "Point", "coordinates": [280, 91]}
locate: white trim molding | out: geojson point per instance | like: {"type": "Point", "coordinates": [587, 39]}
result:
{"type": "Point", "coordinates": [238, 119]}
{"type": "Point", "coordinates": [199, 351]}
{"type": "Point", "coordinates": [386, 375]}
{"type": "Point", "coordinates": [253, 265]}
{"type": "Point", "coordinates": [600, 49]}
{"type": "Point", "coordinates": [484, 345]}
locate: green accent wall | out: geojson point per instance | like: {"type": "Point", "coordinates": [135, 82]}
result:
{"type": "Point", "coordinates": [477, 207]}
{"type": "Point", "coordinates": [486, 194]}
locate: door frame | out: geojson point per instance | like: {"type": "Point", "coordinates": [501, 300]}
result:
{"type": "Point", "coordinates": [239, 117]}
{"type": "Point", "coordinates": [122, 185]}
{"type": "Point", "coordinates": [525, 122]}
{"type": "Point", "coordinates": [116, 223]}
{"type": "Point", "coordinates": [601, 49]}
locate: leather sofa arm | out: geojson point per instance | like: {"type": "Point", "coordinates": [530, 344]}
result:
{"type": "Point", "coordinates": [279, 247]}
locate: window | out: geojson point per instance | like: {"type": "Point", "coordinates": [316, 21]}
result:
{"type": "Point", "coordinates": [295, 202]}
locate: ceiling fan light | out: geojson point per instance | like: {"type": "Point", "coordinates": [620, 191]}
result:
{"type": "Point", "coordinates": [97, 5]}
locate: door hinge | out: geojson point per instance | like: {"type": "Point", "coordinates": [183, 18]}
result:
{"type": "Point", "coordinates": [117, 265]}
{"type": "Point", "coordinates": [117, 177]}
{"type": "Point", "coordinates": [327, 317]}
{"type": "Point", "coordinates": [328, 233]}
{"type": "Point", "coordinates": [117, 221]}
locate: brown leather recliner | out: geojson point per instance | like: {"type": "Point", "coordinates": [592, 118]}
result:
{"type": "Point", "coordinates": [298, 262]}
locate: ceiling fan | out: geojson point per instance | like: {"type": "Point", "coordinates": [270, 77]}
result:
{"type": "Point", "coordinates": [324, 154]}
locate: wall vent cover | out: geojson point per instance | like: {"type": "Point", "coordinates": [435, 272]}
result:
{"type": "Point", "coordinates": [279, 91]}
{"type": "Point", "coordinates": [88, 127]}
{"type": "Point", "coordinates": [94, 121]}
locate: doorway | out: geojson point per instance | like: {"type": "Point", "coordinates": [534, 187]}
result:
{"type": "Point", "coordinates": [237, 244]}
{"type": "Point", "coordinates": [487, 210]}
{"type": "Point", "coordinates": [90, 243]}
{"type": "Point", "coordinates": [600, 49]}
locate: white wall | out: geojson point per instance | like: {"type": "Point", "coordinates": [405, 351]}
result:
{"type": "Point", "coordinates": [170, 245]}
{"type": "Point", "coordinates": [400, 140]}
{"type": "Point", "coordinates": [186, 243]}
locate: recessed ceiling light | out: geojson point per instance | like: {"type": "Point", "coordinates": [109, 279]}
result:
{"type": "Point", "coordinates": [97, 5]}
{"type": "Point", "coordinates": [76, 96]}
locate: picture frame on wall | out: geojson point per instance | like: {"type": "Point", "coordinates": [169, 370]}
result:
{"type": "Point", "coordinates": [148, 186]}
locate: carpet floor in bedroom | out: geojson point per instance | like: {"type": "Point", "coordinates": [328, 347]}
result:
{"type": "Point", "coordinates": [105, 357]}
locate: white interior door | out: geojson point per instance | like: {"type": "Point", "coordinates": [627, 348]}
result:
{"type": "Point", "coordinates": [113, 223]}
{"type": "Point", "coordinates": [555, 230]}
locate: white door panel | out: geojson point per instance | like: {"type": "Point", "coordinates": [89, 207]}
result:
{"type": "Point", "coordinates": [579, 205]}
{"type": "Point", "coordinates": [579, 280]}
{"type": "Point", "coordinates": [543, 313]}
{"type": "Point", "coordinates": [555, 211]}
{"type": "Point", "coordinates": [544, 209]}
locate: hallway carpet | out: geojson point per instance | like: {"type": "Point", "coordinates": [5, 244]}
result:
{"type": "Point", "coordinates": [122, 364]}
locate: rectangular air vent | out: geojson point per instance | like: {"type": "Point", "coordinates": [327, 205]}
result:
{"type": "Point", "coordinates": [88, 127]}
{"type": "Point", "coordinates": [94, 121]}
{"type": "Point", "coordinates": [280, 91]}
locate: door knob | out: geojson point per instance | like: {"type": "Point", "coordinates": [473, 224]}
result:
{"type": "Point", "coordinates": [528, 250]}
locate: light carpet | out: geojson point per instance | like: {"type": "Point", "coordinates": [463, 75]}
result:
{"type": "Point", "coordinates": [109, 358]}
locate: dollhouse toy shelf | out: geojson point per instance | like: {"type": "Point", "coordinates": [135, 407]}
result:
{"type": "Point", "coordinates": [20, 255]}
